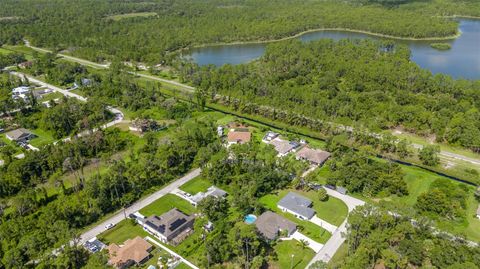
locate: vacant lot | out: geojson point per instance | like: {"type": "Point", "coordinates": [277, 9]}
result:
{"type": "Point", "coordinates": [166, 203]}
{"type": "Point", "coordinates": [196, 185]}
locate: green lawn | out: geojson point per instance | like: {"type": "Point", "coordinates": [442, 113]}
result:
{"type": "Point", "coordinates": [308, 228]}
{"type": "Point", "coordinates": [339, 258]}
{"type": "Point", "coordinates": [285, 250]}
{"type": "Point", "coordinates": [124, 230]}
{"type": "Point", "coordinates": [43, 138]}
{"type": "Point", "coordinates": [196, 185]}
{"type": "Point", "coordinates": [5, 51]}
{"type": "Point", "coordinates": [166, 203]}
{"type": "Point", "coordinates": [131, 15]}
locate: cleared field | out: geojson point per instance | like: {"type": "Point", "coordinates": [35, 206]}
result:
{"type": "Point", "coordinates": [166, 203]}
{"type": "Point", "coordinates": [131, 15]}
{"type": "Point", "coordinates": [196, 185]}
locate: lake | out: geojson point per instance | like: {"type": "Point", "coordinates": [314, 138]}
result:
{"type": "Point", "coordinates": [461, 61]}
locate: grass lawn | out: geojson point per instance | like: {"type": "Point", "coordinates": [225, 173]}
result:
{"type": "Point", "coordinates": [339, 257]}
{"type": "Point", "coordinates": [43, 138]}
{"type": "Point", "coordinates": [196, 185]}
{"type": "Point", "coordinates": [307, 228]}
{"type": "Point", "coordinates": [124, 230]}
{"type": "Point", "coordinates": [5, 51]}
{"type": "Point", "coordinates": [166, 203]}
{"type": "Point", "coordinates": [285, 250]}
{"type": "Point", "coordinates": [50, 96]}
{"type": "Point", "coordinates": [131, 15]}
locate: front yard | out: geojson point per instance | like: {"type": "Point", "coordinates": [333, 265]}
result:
{"type": "Point", "coordinates": [291, 254]}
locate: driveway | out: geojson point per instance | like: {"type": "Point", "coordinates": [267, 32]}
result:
{"type": "Point", "coordinates": [322, 223]}
{"type": "Point", "coordinates": [314, 245]}
{"type": "Point", "coordinates": [120, 215]}
{"type": "Point", "coordinates": [337, 239]}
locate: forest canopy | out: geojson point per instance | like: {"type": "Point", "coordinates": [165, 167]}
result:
{"type": "Point", "coordinates": [184, 23]}
{"type": "Point", "coordinates": [361, 83]}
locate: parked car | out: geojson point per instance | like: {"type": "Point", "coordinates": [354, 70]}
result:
{"type": "Point", "coordinates": [109, 226]}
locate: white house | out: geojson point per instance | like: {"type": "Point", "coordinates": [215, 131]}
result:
{"type": "Point", "coordinates": [20, 92]}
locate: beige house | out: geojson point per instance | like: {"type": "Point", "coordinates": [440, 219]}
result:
{"type": "Point", "coordinates": [134, 251]}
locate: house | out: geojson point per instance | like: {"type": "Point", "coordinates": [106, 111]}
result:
{"type": "Point", "coordinates": [283, 147]}
{"type": "Point", "coordinates": [19, 135]}
{"type": "Point", "coordinates": [134, 251]}
{"type": "Point", "coordinates": [171, 227]}
{"type": "Point", "coordinates": [25, 65]}
{"type": "Point", "coordinates": [220, 131]}
{"type": "Point", "coordinates": [269, 136]}
{"type": "Point", "coordinates": [144, 125]}
{"type": "Point", "coordinates": [94, 245]}
{"type": "Point", "coordinates": [341, 190]}
{"type": "Point", "coordinates": [271, 225]}
{"type": "Point", "coordinates": [297, 205]}
{"type": "Point", "coordinates": [83, 82]}
{"type": "Point", "coordinates": [211, 191]}
{"type": "Point", "coordinates": [478, 211]}
{"type": "Point", "coordinates": [239, 136]}
{"type": "Point", "coordinates": [21, 92]}
{"type": "Point", "coordinates": [314, 156]}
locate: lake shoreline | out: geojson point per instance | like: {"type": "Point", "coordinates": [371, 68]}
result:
{"type": "Point", "coordinates": [451, 37]}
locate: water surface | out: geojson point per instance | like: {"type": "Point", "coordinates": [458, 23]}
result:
{"type": "Point", "coordinates": [461, 61]}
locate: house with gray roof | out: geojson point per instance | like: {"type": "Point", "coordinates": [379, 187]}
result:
{"type": "Point", "coordinates": [171, 227]}
{"type": "Point", "coordinates": [211, 191]}
{"type": "Point", "coordinates": [271, 225]}
{"type": "Point", "coordinates": [19, 135]}
{"type": "Point", "coordinates": [297, 205]}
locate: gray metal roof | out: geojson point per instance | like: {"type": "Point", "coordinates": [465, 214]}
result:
{"type": "Point", "coordinates": [298, 204]}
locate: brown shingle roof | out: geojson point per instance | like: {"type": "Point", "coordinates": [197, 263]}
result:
{"type": "Point", "coordinates": [239, 137]}
{"type": "Point", "coordinates": [136, 250]}
{"type": "Point", "coordinates": [313, 155]}
{"type": "Point", "coordinates": [269, 224]}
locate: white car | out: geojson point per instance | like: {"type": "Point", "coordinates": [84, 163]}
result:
{"type": "Point", "coordinates": [109, 226]}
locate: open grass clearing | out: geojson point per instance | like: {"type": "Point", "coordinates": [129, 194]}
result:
{"type": "Point", "coordinates": [126, 229]}
{"type": "Point", "coordinates": [43, 138]}
{"type": "Point", "coordinates": [166, 203]}
{"type": "Point", "coordinates": [131, 15]}
{"type": "Point", "coordinates": [290, 254]}
{"type": "Point", "coordinates": [198, 184]}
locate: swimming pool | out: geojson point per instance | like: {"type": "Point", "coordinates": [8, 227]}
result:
{"type": "Point", "coordinates": [249, 219]}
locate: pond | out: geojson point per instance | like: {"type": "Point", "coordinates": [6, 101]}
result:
{"type": "Point", "coordinates": [461, 61]}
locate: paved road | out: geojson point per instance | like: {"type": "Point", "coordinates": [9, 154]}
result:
{"type": "Point", "coordinates": [120, 215]}
{"type": "Point", "coordinates": [53, 87]}
{"type": "Point", "coordinates": [337, 239]}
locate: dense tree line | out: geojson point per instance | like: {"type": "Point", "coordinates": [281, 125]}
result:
{"type": "Point", "coordinates": [90, 34]}
{"type": "Point", "coordinates": [358, 173]}
{"type": "Point", "coordinates": [353, 82]}
{"type": "Point", "coordinates": [444, 199]}
{"type": "Point", "coordinates": [377, 238]}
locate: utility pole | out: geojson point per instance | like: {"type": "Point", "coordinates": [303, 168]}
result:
{"type": "Point", "coordinates": [291, 261]}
